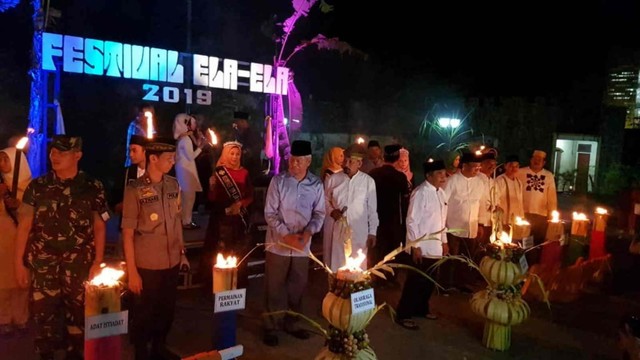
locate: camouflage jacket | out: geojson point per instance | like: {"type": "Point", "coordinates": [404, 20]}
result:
{"type": "Point", "coordinates": [63, 213]}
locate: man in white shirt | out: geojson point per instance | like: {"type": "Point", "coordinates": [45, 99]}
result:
{"type": "Point", "coordinates": [465, 190]}
{"type": "Point", "coordinates": [487, 168]}
{"type": "Point", "coordinates": [427, 215]}
{"type": "Point", "coordinates": [539, 198]}
{"type": "Point", "coordinates": [354, 191]}
{"type": "Point", "coordinates": [510, 189]}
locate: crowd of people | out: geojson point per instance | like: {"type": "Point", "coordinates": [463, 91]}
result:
{"type": "Point", "coordinates": [52, 235]}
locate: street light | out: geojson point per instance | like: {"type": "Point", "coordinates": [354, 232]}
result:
{"type": "Point", "coordinates": [448, 122]}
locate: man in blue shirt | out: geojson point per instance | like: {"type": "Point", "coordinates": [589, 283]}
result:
{"type": "Point", "coordinates": [294, 211]}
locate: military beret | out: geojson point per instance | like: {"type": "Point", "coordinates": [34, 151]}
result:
{"type": "Point", "coordinates": [66, 143]}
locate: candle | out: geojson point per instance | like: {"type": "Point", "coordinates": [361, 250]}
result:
{"type": "Point", "coordinates": [213, 139]}
{"type": "Point", "coordinates": [16, 165]}
{"type": "Point", "coordinates": [102, 293]}
{"type": "Point", "coordinates": [579, 224]}
{"type": "Point", "coordinates": [520, 229]}
{"type": "Point", "coordinates": [360, 140]}
{"type": "Point", "coordinates": [225, 274]}
{"type": "Point", "coordinates": [149, 116]}
{"type": "Point", "coordinates": [600, 220]}
{"type": "Point", "coordinates": [555, 228]}
{"type": "Point", "coordinates": [352, 270]}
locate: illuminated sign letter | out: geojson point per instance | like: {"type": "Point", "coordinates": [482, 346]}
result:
{"type": "Point", "coordinates": [215, 76]}
{"type": "Point", "coordinates": [73, 56]}
{"type": "Point", "coordinates": [127, 62]}
{"type": "Point", "coordinates": [255, 79]}
{"type": "Point", "coordinates": [270, 83]}
{"type": "Point", "coordinates": [175, 71]}
{"type": "Point", "coordinates": [200, 70]}
{"type": "Point", "coordinates": [51, 46]}
{"type": "Point", "coordinates": [230, 74]}
{"type": "Point", "coordinates": [113, 58]}
{"type": "Point", "coordinates": [282, 81]}
{"type": "Point", "coordinates": [140, 62]}
{"type": "Point", "coordinates": [93, 55]}
{"type": "Point", "coordinates": [158, 65]}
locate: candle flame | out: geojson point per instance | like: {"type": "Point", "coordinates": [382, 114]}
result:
{"type": "Point", "coordinates": [501, 239]}
{"type": "Point", "coordinates": [360, 140]}
{"type": "Point", "coordinates": [478, 152]}
{"type": "Point", "coordinates": [107, 277]}
{"type": "Point", "coordinates": [520, 221]}
{"type": "Point", "coordinates": [213, 139]}
{"type": "Point", "coordinates": [22, 143]}
{"type": "Point", "coordinates": [149, 116]}
{"type": "Point", "coordinates": [579, 216]}
{"type": "Point", "coordinates": [353, 264]}
{"type": "Point", "coordinates": [229, 262]}
{"type": "Point", "coordinates": [555, 216]}
{"type": "Point", "coordinates": [601, 211]}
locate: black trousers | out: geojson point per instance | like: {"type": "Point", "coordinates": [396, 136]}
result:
{"type": "Point", "coordinates": [416, 291]}
{"type": "Point", "coordinates": [154, 309]}
{"type": "Point", "coordinates": [539, 225]}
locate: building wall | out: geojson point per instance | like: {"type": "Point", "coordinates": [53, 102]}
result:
{"type": "Point", "coordinates": [569, 160]}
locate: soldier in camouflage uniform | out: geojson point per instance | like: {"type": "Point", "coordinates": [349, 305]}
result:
{"type": "Point", "coordinates": [60, 243]}
{"type": "Point", "coordinates": [153, 247]}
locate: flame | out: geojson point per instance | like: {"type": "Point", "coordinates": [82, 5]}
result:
{"type": "Point", "coordinates": [21, 143]}
{"type": "Point", "coordinates": [30, 131]}
{"type": "Point", "coordinates": [520, 221]}
{"type": "Point", "coordinates": [228, 263]}
{"type": "Point", "coordinates": [353, 264]}
{"type": "Point", "coordinates": [579, 216]}
{"type": "Point", "coordinates": [360, 140]}
{"type": "Point", "coordinates": [107, 277]}
{"type": "Point", "coordinates": [555, 216]}
{"type": "Point", "coordinates": [149, 116]}
{"type": "Point", "coordinates": [213, 139]}
{"type": "Point", "coordinates": [601, 211]}
{"type": "Point", "coordinates": [478, 152]}
{"type": "Point", "coordinates": [430, 160]}
{"type": "Point", "coordinates": [502, 239]}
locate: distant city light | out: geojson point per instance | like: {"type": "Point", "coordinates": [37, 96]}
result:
{"type": "Point", "coordinates": [449, 122]}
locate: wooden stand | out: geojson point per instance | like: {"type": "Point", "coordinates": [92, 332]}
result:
{"type": "Point", "coordinates": [520, 232]}
{"type": "Point", "coordinates": [224, 279]}
{"type": "Point", "coordinates": [102, 300]}
{"type": "Point", "coordinates": [552, 252]}
{"type": "Point", "coordinates": [578, 241]}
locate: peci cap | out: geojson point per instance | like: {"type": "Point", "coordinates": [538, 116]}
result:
{"type": "Point", "coordinates": [539, 153]}
{"type": "Point", "coordinates": [161, 144]}
{"type": "Point", "coordinates": [240, 115]}
{"type": "Point", "coordinates": [300, 148]}
{"type": "Point", "coordinates": [468, 157]}
{"type": "Point", "coordinates": [512, 158]}
{"type": "Point", "coordinates": [433, 165]}
{"type": "Point", "coordinates": [355, 151]}
{"type": "Point", "coordinates": [373, 143]}
{"type": "Point", "coordinates": [66, 143]}
{"type": "Point", "coordinates": [392, 150]}
{"type": "Point", "coordinates": [138, 140]}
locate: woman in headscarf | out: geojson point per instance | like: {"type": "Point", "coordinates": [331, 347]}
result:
{"type": "Point", "coordinates": [188, 147]}
{"type": "Point", "coordinates": [14, 300]}
{"type": "Point", "coordinates": [230, 194]}
{"type": "Point", "coordinates": [332, 162]}
{"type": "Point", "coordinates": [404, 166]}
{"type": "Point", "coordinates": [452, 161]}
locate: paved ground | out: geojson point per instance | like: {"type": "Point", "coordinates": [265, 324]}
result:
{"type": "Point", "coordinates": [585, 329]}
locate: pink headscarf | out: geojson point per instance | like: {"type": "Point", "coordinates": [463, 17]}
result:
{"type": "Point", "coordinates": [404, 166]}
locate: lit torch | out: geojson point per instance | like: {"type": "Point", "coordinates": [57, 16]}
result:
{"type": "Point", "coordinates": [225, 274]}
{"type": "Point", "coordinates": [213, 138]}
{"type": "Point", "coordinates": [149, 116]}
{"type": "Point", "coordinates": [579, 224]}
{"type": "Point", "coordinates": [102, 293]}
{"type": "Point", "coordinates": [16, 165]}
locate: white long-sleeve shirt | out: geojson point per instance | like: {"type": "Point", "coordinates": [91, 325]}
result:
{"type": "Point", "coordinates": [358, 194]}
{"type": "Point", "coordinates": [484, 212]}
{"type": "Point", "coordinates": [427, 214]}
{"type": "Point", "coordinates": [510, 197]}
{"type": "Point", "coordinates": [465, 195]}
{"type": "Point", "coordinates": [539, 195]}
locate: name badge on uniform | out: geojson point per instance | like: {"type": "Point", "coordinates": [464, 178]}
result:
{"type": "Point", "coordinates": [172, 195]}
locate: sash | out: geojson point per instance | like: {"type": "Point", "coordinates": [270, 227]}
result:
{"type": "Point", "coordinates": [233, 192]}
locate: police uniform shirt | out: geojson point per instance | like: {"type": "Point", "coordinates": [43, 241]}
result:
{"type": "Point", "coordinates": [63, 212]}
{"type": "Point", "coordinates": [153, 212]}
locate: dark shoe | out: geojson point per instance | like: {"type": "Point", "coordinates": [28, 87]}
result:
{"type": "Point", "coordinates": [191, 226]}
{"type": "Point", "coordinates": [407, 324]}
{"type": "Point", "coordinates": [270, 339]}
{"type": "Point", "coordinates": [299, 334]}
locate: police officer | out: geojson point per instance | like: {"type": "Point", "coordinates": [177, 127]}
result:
{"type": "Point", "coordinates": [60, 240]}
{"type": "Point", "coordinates": [153, 245]}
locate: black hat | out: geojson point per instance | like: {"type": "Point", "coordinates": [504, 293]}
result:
{"type": "Point", "coordinates": [300, 148]}
{"type": "Point", "coordinates": [161, 144]}
{"type": "Point", "coordinates": [241, 115]}
{"type": "Point", "coordinates": [433, 165]}
{"type": "Point", "coordinates": [138, 140]}
{"type": "Point", "coordinates": [392, 150]}
{"type": "Point", "coordinates": [373, 143]}
{"type": "Point", "coordinates": [489, 156]}
{"type": "Point", "coordinates": [470, 158]}
{"type": "Point", "coordinates": [355, 151]}
{"type": "Point", "coordinates": [66, 143]}
{"type": "Point", "coordinates": [512, 158]}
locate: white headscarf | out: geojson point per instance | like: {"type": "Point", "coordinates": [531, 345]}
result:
{"type": "Point", "coordinates": [182, 125]}
{"type": "Point", "coordinates": [25, 172]}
